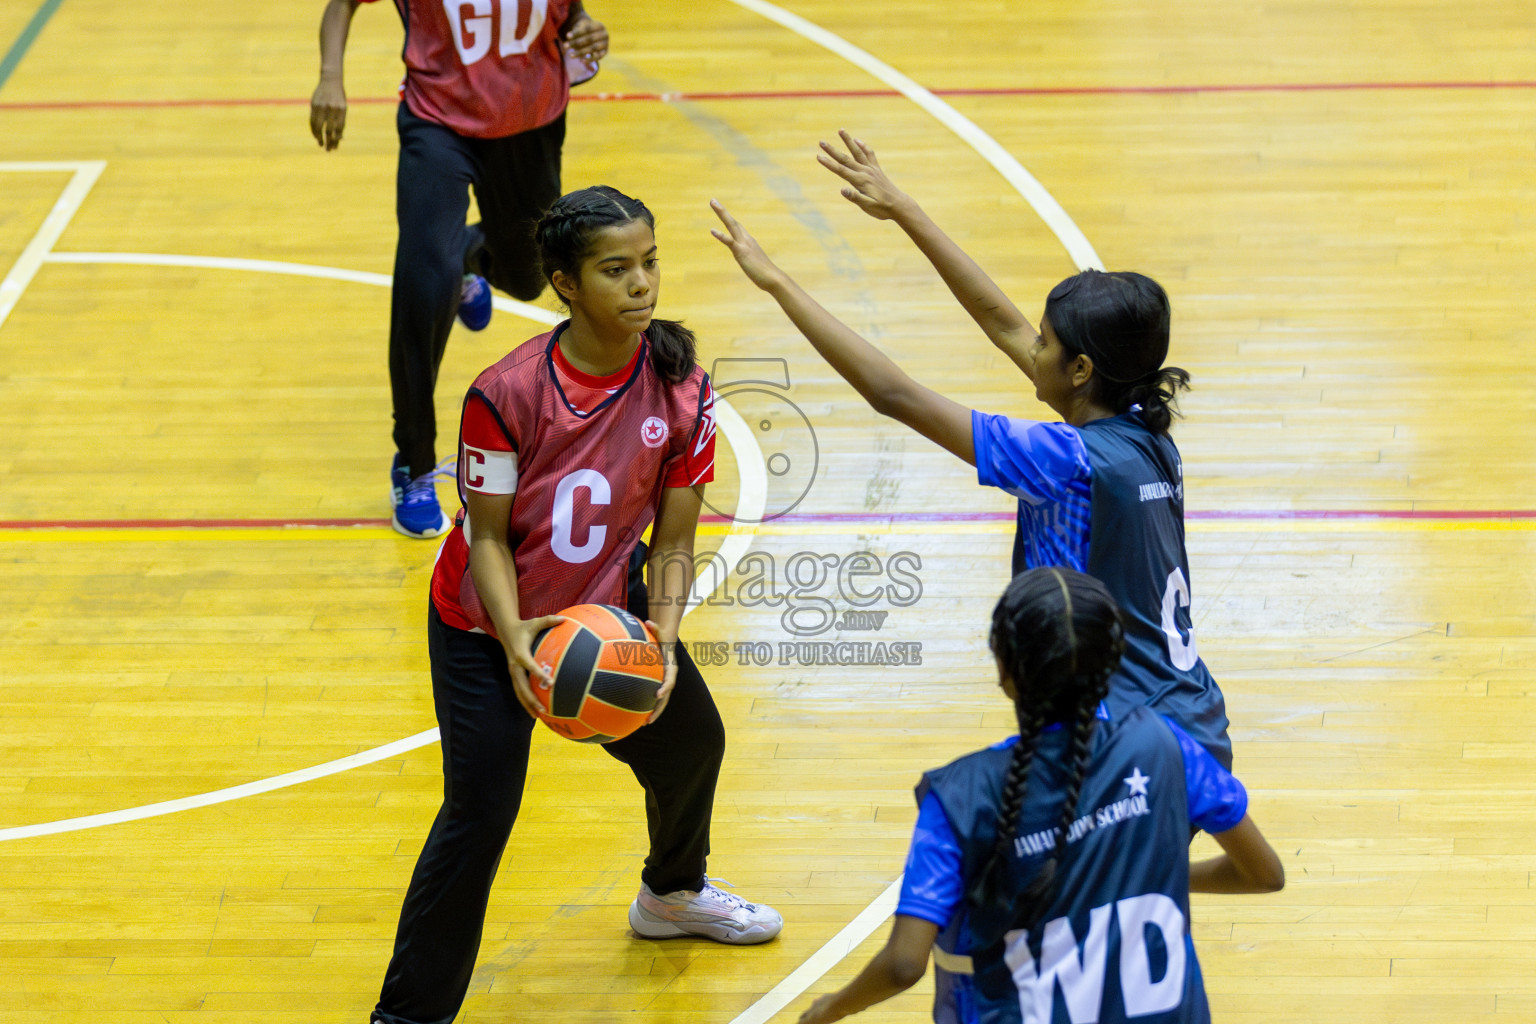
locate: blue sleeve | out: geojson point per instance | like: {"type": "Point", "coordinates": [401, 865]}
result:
{"type": "Point", "coordinates": [1217, 801]}
{"type": "Point", "coordinates": [932, 888]}
{"type": "Point", "coordinates": [1032, 461]}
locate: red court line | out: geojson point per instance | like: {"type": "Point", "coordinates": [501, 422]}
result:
{"type": "Point", "coordinates": [817, 94]}
{"type": "Point", "coordinates": [796, 518]}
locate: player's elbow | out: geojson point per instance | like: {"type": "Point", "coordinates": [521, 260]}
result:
{"type": "Point", "coordinates": [883, 401]}
{"type": "Point", "coordinates": [896, 401]}
{"type": "Point", "coordinates": [904, 972]}
{"type": "Point", "coordinates": [1271, 878]}
{"type": "Point", "coordinates": [1263, 873]}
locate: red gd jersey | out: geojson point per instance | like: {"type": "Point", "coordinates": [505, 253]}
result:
{"type": "Point", "coordinates": [586, 458]}
{"type": "Point", "coordinates": [484, 68]}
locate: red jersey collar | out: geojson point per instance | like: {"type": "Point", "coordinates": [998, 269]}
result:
{"type": "Point", "coordinates": [586, 380]}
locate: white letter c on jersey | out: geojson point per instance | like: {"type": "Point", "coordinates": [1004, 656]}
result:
{"type": "Point", "coordinates": [1176, 595]}
{"type": "Point", "coordinates": [562, 539]}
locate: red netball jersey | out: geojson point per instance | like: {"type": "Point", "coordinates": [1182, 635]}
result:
{"type": "Point", "coordinates": [586, 458]}
{"type": "Point", "coordinates": [484, 68]}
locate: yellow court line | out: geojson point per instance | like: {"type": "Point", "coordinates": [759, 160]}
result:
{"type": "Point", "coordinates": [186, 534]}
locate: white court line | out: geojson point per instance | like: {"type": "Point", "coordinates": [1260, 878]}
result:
{"type": "Point", "coordinates": [752, 492]}
{"type": "Point", "coordinates": [1043, 203]}
{"type": "Point", "coordinates": [752, 497]}
{"type": "Point", "coordinates": [823, 960]}
{"type": "Point", "coordinates": [220, 796]}
{"type": "Point", "coordinates": [85, 174]}
{"type": "Point", "coordinates": [160, 259]}
{"type": "Point", "coordinates": [1083, 255]}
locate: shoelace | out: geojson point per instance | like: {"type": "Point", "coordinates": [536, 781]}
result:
{"type": "Point", "coordinates": [730, 898]}
{"type": "Point", "coordinates": [423, 488]}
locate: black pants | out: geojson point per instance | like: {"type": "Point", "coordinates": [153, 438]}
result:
{"type": "Point", "coordinates": [485, 741]}
{"type": "Point", "coordinates": [515, 179]}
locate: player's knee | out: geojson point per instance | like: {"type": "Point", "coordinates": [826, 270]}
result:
{"type": "Point", "coordinates": [490, 808]}
{"type": "Point", "coordinates": [433, 287]}
{"type": "Point", "coordinates": [486, 795]}
{"type": "Point", "coordinates": [523, 287]}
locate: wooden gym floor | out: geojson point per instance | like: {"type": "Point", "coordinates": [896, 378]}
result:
{"type": "Point", "coordinates": [1339, 199]}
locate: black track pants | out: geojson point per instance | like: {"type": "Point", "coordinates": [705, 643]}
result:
{"type": "Point", "coordinates": [515, 179]}
{"type": "Point", "coordinates": [485, 742]}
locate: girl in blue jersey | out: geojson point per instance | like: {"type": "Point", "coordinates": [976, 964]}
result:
{"type": "Point", "coordinates": [1049, 873]}
{"type": "Point", "coordinates": [1101, 492]}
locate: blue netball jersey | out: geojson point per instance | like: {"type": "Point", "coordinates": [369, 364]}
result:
{"type": "Point", "coordinates": [1113, 945]}
{"type": "Point", "coordinates": [1107, 499]}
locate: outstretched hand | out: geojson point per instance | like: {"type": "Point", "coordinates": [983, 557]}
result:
{"type": "Point", "coordinates": [869, 187]}
{"type": "Point", "coordinates": [760, 270]}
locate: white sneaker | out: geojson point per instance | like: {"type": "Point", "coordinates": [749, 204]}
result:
{"type": "Point", "coordinates": [710, 912]}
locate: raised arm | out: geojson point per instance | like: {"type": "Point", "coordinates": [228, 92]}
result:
{"type": "Point", "coordinates": [871, 190]}
{"type": "Point", "coordinates": [328, 105]}
{"type": "Point", "coordinates": [882, 383]}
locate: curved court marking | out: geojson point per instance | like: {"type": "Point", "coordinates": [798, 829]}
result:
{"type": "Point", "coordinates": [1082, 254]}
{"type": "Point", "coordinates": [220, 796]}
{"type": "Point", "coordinates": [752, 498]}
{"type": "Point", "coordinates": [1034, 193]}
{"type": "Point", "coordinates": [752, 493]}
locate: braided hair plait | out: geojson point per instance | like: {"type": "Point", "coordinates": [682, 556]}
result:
{"type": "Point", "coordinates": [1058, 637]}
{"type": "Point", "coordinates": [567, 234]}
{"type": "Point", "coordinates": [1042, 886]}
{"type": "Point", "coordinates": [988, 889]}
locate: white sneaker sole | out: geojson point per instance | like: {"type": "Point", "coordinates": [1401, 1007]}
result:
{"type": "Point", "coordinates": [442, 527]}
{"type": "Point", "coordinates": [727, 933]}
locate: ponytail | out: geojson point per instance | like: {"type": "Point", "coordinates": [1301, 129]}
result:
{"type": "Point", "coordinates": [1157, 394]}
{"type": "Point", "coordinates": [672, 350]}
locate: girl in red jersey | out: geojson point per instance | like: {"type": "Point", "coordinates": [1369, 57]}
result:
{"type": "Point", "coordinates": [570, 446]}
{"type": "Point", "coordinates": [482, 107]}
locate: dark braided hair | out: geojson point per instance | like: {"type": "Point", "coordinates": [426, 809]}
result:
{"type": "Point", "coordinates": [1121, 321]}
{"type": "Point", "coordinates": [1057, 635]}
{"type": "Point", "coordinates": [566, 235]}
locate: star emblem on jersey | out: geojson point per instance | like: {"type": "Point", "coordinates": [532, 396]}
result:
{"type": "Point", "coordinates": [1137, 782]}
{"type": "Point", "coordinates": [653, 431]}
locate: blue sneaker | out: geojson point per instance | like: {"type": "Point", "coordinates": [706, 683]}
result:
{"type": "Point", "coordinates": [475, 303]}
{"type": "Point", "coordinates": [417, 512]}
